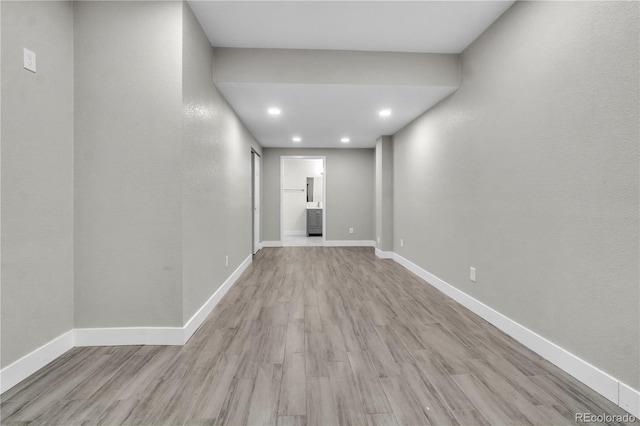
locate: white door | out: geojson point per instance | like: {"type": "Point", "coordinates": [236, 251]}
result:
{"type": "Point", "coordinates": [256, 201]}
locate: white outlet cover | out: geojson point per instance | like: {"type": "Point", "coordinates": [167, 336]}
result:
{"type": "Point", "coordinates": [401, 242]}
{"type": "Point", "coordinates": [472, 274]}
{"type": "Point", "coordinates": [29, 60]}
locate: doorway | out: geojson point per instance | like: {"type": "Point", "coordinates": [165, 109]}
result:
{"type": "Point", "coordinates": [255, 200]}
{"type": "Point", "coordinates": [302, 200]}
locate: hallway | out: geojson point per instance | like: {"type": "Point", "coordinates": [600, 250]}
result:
{"type": "Point", "coordinates": [315, 336]}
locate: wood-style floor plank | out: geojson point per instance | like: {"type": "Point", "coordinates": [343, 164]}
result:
{"type": "Point", "coordinates": [320, 402]}
{"type": "Point", "coordinates": [371, 393]}
{"type": "Point", "coordinates": [214, 391]}
{"type": "Point", "coordinates": [383, 419]}
{"type": "Point", "coordinates": [407, 410]}
{"type": "Point", "coordinates": [471, 417]}
{"type": "Point", "coordinates": [345, 394]}
{"type": "Point", "coordinates": [312, 336]}
{"type": "Point", "coordinates": [293, 391]}
{"type": "Point", "coordinates": [433, 406]}
{"type": "Point", "coordinates": [492, 407]}
{"type": "Point", "coordinates": [291, 421]}
{"type": "Point", "coordinates": [263, 408]}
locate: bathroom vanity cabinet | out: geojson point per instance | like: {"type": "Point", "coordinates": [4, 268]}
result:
{"type": "Point", "coordinates": [314, 222]}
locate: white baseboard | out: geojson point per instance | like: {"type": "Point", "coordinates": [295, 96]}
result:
{"type": "Point", "coordinates": [629, 399]}
{"type": "Point", "coordinates": [588, 374]}
{"type": "Point", "coordinates": [329, 243]}
{"type": "Point", "coordinates": [19, 370]}
{"type": "Point", "coordinates": [30, 363]}
{"type": "Point", "coordinates": [125, 336]}
{"type": "Point", "coordinates": [272, 244]}
{"type": "Point", "coordinates": [349, 243]}
{"type": "Point", "coordinates": [384, 254]}
{"type": "Point", "coordinates": [157, 335]}
{"type": "Point", "coordinates": [198, 318]}
{"type": "Point", "coordinates": [296, 233]}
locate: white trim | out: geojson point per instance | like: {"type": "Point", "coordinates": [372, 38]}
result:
{"type": "Point", "coordinates": [123, 336]}
{"type": "Point", "coordinates": [271, 244]}
{"type": "Point", "coordinates": [349, 243]}
{"type": "Point", "coordinates": [296, 233]}
{"type": "Point", "coordinates": [629, 399]}
{"type": "Point", "coordinates": [590, 375]}
{"type": "Point", "coordinates": [198, 318]}
{"type": "Point", "coordinates": [32, 362]}
{"type": "Point", "coordinates": [19, 370]}
{"type": "Point", "coordinates": [384, 254]}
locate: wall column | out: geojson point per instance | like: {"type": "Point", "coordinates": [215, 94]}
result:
{"type": "Point", "coordinates": [384, 193]}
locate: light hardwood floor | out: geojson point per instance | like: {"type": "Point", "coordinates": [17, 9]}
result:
{"type": "Point", "coordinates": [313, 336]}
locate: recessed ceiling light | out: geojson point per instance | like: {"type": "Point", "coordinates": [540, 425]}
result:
{"type": "Point", "coordinates": [274, 111]}
{"type": "Point", "coordinates": [345, 140]}
{"type": "Point", "coordinates": [296, 138]}
{"type": "Point", "coordinates": [384, 112]}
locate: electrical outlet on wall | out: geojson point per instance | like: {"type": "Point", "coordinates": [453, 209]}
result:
{"type": "Point", "coordinates": [351, 230]}
{"type": "Point", "coordinates": [378, 240]}
{"type": "Point", "coordinates": [472, 274]}
{"type": "Point", "coordinates": [401, 242]}
{"type": "Point", "coordinates": [226, 261]}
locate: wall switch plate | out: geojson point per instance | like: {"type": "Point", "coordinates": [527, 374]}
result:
{"type": "Point", "coordinates": [226, 260]}
{"type": "Point", "coordinates": [472, 274]}
{"type": "Point", "coordinates": [401, 242]}
{"type": "Point", "coordinates": [378, 240]}
{"type": "Point", "coordinates": [29, 60]}
{"type": "Point", "coordinates": [351, 230]}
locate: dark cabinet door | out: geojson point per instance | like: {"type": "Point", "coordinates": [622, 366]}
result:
{"type": "Point", "coordinates": [314, 222]}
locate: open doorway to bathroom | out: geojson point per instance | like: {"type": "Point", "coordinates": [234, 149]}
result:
{"type": "Point", "coordinates": [302, 201]}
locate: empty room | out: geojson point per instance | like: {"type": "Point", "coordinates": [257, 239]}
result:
{"type": "Point", "coordinates": [319, 212]}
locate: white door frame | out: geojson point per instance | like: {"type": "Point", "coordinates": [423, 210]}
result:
{"type": "Point", "coordinates": [256, 172]}
{"type": "Point", "coordinates": [324, 191]}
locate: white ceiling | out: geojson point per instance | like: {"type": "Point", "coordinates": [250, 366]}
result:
{"type": "Point", "coordinates": [323, 113]}
{"type": "Point", "coordinates": [386, 26]}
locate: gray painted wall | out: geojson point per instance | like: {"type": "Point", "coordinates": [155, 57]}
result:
{"type": "Point", "coordinates": [128, 164]}
{"type": "Point", "coordinates": [350, 180]}
{"type": "Point", "coordinates": [530, 173]}
{"type": "Point", "coordinates": [37, 176]}
{"type": "Point", "coordinates": [384, 193]}
{"type": "Point", "coordinates": [308, 66]}
{"type": "Point", "coordinates": [216, 182]}
{"type": "Point", "coordinates": [147, 176]}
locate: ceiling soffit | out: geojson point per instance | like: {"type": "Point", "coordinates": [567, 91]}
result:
{"type": "Point", "coordinates": [327, 95]}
